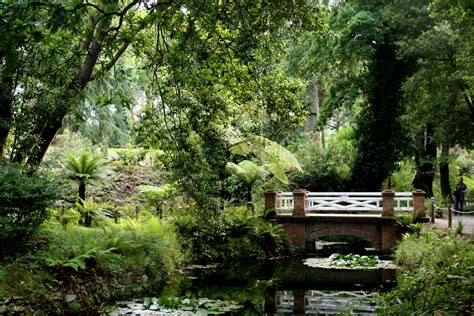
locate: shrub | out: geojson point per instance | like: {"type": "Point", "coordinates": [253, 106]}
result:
{"type": "Point", "coordinates": [435, 274]}
{"type": "Point", "coordinates": [95, 266]}
{"type": "Point", "coordinates": [25, 197]}
{"type": "Point", "coordinates": [130, 156]}
{"type": "Point", "coordinates": [325, 169]}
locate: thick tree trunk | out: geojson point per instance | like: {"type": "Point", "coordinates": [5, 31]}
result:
{"type": "Point", "coordinates": [444, 170]}
{"type": "Point", "coordinates": [315, 96]}
{"type": "Point", "coordinates": [46, 137]}
{"type": "Point", "coordinates": [82, 197]}
{"type": "Point", "coordinates": [83, 76]}
{"type": "Point", "coordinates": [425, 161]}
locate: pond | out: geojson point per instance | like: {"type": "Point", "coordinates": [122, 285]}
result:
{"type": "Point", "coordinates": [275, 287]}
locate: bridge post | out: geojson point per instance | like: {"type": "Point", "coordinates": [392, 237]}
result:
{"type": "Point", "coordinates": [298, 302]}
{"type": "Point", "coordinates": [270, 199]}
{"type": "Point", "coordinates": [419, 203]}
{"type": "Point", "coordinates": [299, 200]}
{"type": "Point", "coordinates": [388, 199]}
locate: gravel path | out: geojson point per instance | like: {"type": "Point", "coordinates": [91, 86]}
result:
{"type": "Point", "coordinates": [467, 219]}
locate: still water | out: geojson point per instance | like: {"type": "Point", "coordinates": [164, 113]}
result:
{"type": "Point", "coordinates": [276, 287]}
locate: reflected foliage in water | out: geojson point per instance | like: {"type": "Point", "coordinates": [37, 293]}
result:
{"type": "Point", "coordinates": [270, 287]}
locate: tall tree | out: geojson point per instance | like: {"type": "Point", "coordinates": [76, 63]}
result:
{"type": "Point", "coordinates": [83, 40]}
{"type": "Point", "coordinates": [439, 93]}
{"type": "Point", "coordinates": [215, 73]}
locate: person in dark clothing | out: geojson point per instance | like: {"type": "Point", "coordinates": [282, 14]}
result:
{"type": "Point", "coordinates": [461, 189]}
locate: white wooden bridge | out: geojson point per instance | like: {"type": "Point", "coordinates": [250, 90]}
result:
{"type": "Point", "coordinates": [342, 202]}
{"type": "Point", "coordinates": [308, 216]}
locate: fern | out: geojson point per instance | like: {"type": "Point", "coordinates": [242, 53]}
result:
{"type": "Point", "coordinates": [84, 168]}
{"type": "Point", "coordinates": [247, 171]}
{"type": "Point", "coordinates": [276, 158]}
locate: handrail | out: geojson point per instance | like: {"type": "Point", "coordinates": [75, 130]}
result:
{"type": "Point", "coordinates": [343, 201]}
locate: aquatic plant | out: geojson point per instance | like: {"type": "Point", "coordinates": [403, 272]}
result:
{"type": "Point", "coordinates": [353, 260]}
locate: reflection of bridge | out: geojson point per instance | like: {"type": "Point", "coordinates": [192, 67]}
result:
{"type": "Point", "coordinates": [304, 289]}
{"type": "Point", "coordinates": [323, 302]}
{"type": "Point", "coordinates": [308, 216]}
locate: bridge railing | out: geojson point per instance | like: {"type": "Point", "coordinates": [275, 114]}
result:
{"type": "Point", "coordinates": [302, 202]}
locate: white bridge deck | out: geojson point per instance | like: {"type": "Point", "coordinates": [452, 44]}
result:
{"type": "Point", "coordinates": [343, 202]}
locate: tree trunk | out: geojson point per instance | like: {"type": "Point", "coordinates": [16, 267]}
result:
{"type": "Point", "coordinates": [82, 192]}
{"type": "Point", "coordinates": [444, 169]}
{"type": "Point", "coordinates": [312, 94]}
{"type": "Point", "coordinates": [424, 160]}
{"type": "Point", "coordinates": [82, 197]}
{"type": "Point", "coordinates": [83, 76]}
{"type": "Point", "coordinates": [249, 194]}
{"type": "Point", "coordinates": [6, 100]}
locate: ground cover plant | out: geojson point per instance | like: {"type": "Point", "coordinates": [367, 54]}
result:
{"type": "Point", "coordinates": [235, 234]}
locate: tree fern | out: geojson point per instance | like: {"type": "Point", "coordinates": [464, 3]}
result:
{"type": "Point", "coordinates": [248, 172]}
{"type": "Point", "coordinates": [84, 169]}
{"type": "Point", "coordinates": [276, 158]}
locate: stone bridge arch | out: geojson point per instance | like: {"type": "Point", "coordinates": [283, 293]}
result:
{"type": "Point", "coordinates": [334, 231]}
{"type": "Point", "coordinates": [382, 232]}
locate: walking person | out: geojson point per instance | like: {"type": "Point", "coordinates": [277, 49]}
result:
{"type": "Point", "coordinates": [461, 189]}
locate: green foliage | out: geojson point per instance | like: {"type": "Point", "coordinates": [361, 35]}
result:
{"type": "Point", "coordinates": [459, 227]}
{"type": "Point", "coordinates": [236, 234]}
{"type": "Point", "coordinates": [84, 167]}
{"type": "Point", "coordinates": [143, 245]}
{"type": "Point", "coordinates": [326, 169]}
{"type": "Point", "coordinates": [401, 180]}
{"type": "Point", "coordinates": [106, 116]}
{"type": "Point", "coordinates": [91, 210]}
{"type": "Point", "coordinates": [247, 171]}
{"type": "Point", "coordinates": [25, 197]}
{"type": "Point", "coordinates": [158, 198]}
{"type": "Point", "coordinates": [276, 158]}
{"type": "Point", "coordinates": [96, 265]}
{"type": "Point", "coordinates": [435, 274]}
{"type": "Point", "coordinates": [129, 156]}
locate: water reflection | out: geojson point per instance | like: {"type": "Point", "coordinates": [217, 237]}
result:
{"type": "Point", "coordinates": [283, 287]}
{"type": "Point", "coordinates": [314, 302]}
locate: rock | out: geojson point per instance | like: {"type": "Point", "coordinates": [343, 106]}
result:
{"type": "Point", "coordinates": [144, 278]}
{"type": "Point", "coordinates": [70, 297]}
{"type": "Point", "coordinates": [3, 309]}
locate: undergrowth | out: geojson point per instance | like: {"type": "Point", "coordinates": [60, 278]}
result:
{"type": "Point", "coordinates": [236, 233]}
{"type": "Point", "coordinates": [91, 266]}
{"type": "Point", "coordinates": [435, 274]}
